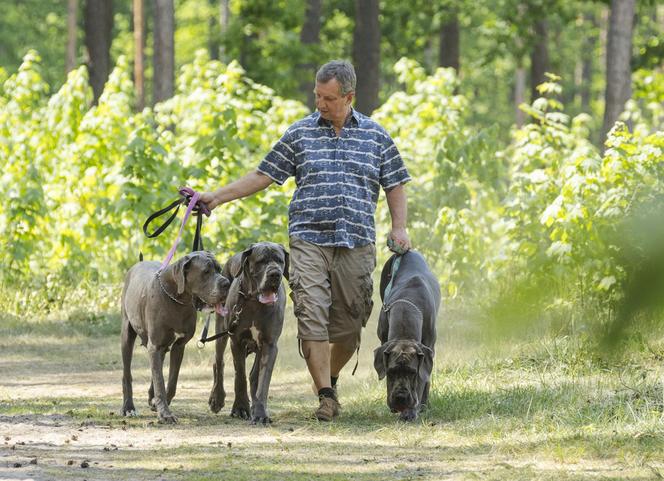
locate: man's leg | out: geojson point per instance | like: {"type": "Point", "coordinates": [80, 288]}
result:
{"type": "Point", "coordinates": [339, 357]}
{"type": "Point", "coordinates": [317, 355]}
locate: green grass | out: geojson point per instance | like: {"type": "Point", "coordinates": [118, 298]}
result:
{"type": "Point", "coordinates": [554, 408]}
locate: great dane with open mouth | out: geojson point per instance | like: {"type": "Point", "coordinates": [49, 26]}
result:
{"type": "Point", "coordinates": [407, 331]}
{"type": "Point", "coordinates": [159, 306]}
{"type": "Point", "coordinates": [254, 320]}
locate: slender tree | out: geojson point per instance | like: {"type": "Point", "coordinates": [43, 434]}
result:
{"type": "Point", "coordinates": [72, 33]}
{"type": "Point", "coordinates": [519, 93]}
{"type": "Point", "coordinates": [618, 56]}
{"type": "Point", "coordinates": [539, 57]}
{"type": "Point", "coordinates": [449, 41]}
{"type": "Point", "coordinates": [366, 54]}
{"type": "Point", "coordinates": [164, 50]}
{"type": "Point", "coordinates": [310, 38]}
{"type": "Point", "coordinates": [587, 59]}
{"type": "Point", "coordinates": [98, 26]}
{"type": "Point", "coordinates": [218, 27]}
{"type": "Point", "coordinates": [139, 69]}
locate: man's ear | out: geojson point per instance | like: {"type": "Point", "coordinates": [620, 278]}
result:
{"type": "Point", "coordinates": [381, 356]}
{"type": "Point", "coordinates": [180, 271]}
{"type": "Point", "coordinates": [287, 263]}
{"type": "Point", "coordinates": [350, 96]}
{"type": "Point", "coordinates": [424, 361]}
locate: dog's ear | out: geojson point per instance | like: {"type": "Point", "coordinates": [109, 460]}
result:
{"type": "Point", "coordinates": [424, 361]}
{"type": "Point", "coordinates": [385, 276]}
{"type": "Point", "coordinates": [287, 263]}
{"type": "Point", "coordinates": [180, 271]}
{"type": "Point", "coordinates": [381, 355]}
{"type": "Point", "coordinates": [244, 267]}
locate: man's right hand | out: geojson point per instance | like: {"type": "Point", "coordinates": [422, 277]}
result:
{"type": "Point", "coordinates": [209, 199]}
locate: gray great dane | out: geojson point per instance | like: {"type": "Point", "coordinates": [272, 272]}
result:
{"type": "Point", "coordinates": [254, 319]}
{"type": "Point", "coordinates": [407, 331]}
{"type": "Point", "coordinates": [160, 308]}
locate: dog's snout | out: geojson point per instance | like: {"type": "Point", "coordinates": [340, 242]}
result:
{"type": "Point", "coordinates": [223, 283]}
{"type": "Point", "coordinates": [402, 397]}
{"type": "Point", "coordinates": [273, 274]}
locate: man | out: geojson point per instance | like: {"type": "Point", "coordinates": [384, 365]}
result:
{"type": "Point", "coordinates": [340, 159]}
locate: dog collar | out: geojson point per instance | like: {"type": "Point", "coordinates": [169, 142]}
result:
{"type": "Point", "coordinates": [165, 291]}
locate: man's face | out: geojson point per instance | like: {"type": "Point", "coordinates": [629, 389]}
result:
{"type": "Point", "coordinates": [330, 103]}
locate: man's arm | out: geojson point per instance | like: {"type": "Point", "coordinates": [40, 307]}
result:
{"type": "Point", "coordinates": [396, 201]}
{"type": "Point", "coordinates": [243, 187]}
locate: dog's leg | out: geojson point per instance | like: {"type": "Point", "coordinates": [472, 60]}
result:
{"type": "Point", "coordinates": [151, 396]}
{"type": "Point", "coordinates": [128, 337]}
{"type": "Point", "coordinates": [177, 353]}
{"type": "Point", "coordinates": [268, 356]}
{"type": "Point", "coordinates": [218, 395]}
{"type": "Point", "coordinates": [156, 356]}
{"type": "Point", "coordinates": [241, 403]}
{"type": "Point", "coordinates": [253, 378]}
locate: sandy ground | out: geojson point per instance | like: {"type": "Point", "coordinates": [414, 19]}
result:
{"type": "Point", "coordinates": [59, 420]}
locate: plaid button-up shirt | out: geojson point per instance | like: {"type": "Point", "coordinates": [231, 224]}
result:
{"type": "Point", "coordinates": [338, 178]}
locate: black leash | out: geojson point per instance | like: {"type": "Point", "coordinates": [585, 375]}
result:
{"type": "Point", "coordinates": [199, 210]}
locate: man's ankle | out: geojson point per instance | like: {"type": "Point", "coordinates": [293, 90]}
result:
{"type": "Point", "coordinates": [327, 392]}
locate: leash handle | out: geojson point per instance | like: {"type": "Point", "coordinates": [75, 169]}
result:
{"type": "Point", "coordinates": [190, 208]}
{"type": "Point", "coordinates": [188, 193]}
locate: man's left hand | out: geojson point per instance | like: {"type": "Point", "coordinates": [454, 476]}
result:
{"type": "Point", "coordinates": [400, 238]}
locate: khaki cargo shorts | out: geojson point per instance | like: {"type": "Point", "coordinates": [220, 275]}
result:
{"type": "Point", "coordinates": [331, 289]}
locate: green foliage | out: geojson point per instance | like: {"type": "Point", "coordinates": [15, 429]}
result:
{"type": "Point", "coordinates": [534, 229]}
{"type": "Point", "coordinates": [80, 181]}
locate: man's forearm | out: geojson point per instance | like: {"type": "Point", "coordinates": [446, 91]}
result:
{"type": "Point", "coordinates": [244, 186]}
{"type": "Point", "coordinates": [396, 201]}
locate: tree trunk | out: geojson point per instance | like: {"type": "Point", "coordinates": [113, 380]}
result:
{"type": "Point", "coordinates": [72, 31]}
{"type": "Point", "coordinates": [366, 54]}
{"type": "Point", "coordinates": [139, 69]}
{"type": "Point", "coordinates": [618, 56]}
{"type": "Point", "coordinates": [164, 50]}
{"type": "Point", "coordinates": [219, 26]}
{"type": "Point", "coordinates": [310, 38]}
{"type": "Point", "coordinates": [449, 42]}
{"type": "Point", "coordinates": [519, 94]}
{"type": "Point", "coordinates": [587, 61]}
{"type": "Point", "coordinates": [98, 26]}
{"type": "Point", "coordinates": [539, 58]}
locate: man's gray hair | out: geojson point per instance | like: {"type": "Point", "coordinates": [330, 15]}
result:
{"type": "Point", "coordinates": [341, 70]}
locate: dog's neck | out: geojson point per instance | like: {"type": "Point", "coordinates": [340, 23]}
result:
{"type": "Point", "coordinates": [405, 321]}
{"type": "Point", "coordinates": [168, 287]}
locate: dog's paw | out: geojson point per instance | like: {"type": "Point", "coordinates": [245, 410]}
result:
{"type": "Point", "coordinates": [408, 415]}
{"type": "Point", "coordinates": [129, 410]}
{"type": "Point", "coordinates": [240, 411]}
{"type": "Point", "coordinates": [216, 402]}
{"type": "Point", "coordinates": [167, 418]}
{"type": "Point", "coordinates": [264, 420]}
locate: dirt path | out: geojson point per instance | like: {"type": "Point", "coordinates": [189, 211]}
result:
{"type": "Point", "coordinates": [59, 402]}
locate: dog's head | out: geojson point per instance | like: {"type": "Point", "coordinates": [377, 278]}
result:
{"type": "Point", "coordinates": [407, 364]}
{"type": "Point", "coordinates": [199, 274]}
{"type": "Point", "coordinates": [262, 265]}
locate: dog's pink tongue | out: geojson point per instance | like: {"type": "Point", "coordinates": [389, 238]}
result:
{"type": "Point", "coordinates": [267, 297]}
{"type": "Point", "coordinates": [220, 309]}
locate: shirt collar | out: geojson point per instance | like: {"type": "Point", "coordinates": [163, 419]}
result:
{"type": "Point", "coordinates": [354, 119]}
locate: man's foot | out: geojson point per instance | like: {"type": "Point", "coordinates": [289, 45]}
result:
{"type": "Point", "coordinates": [328, 409]}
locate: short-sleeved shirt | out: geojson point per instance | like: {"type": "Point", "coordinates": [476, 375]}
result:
{"type": "Point", "coordinates": [338, 178]}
